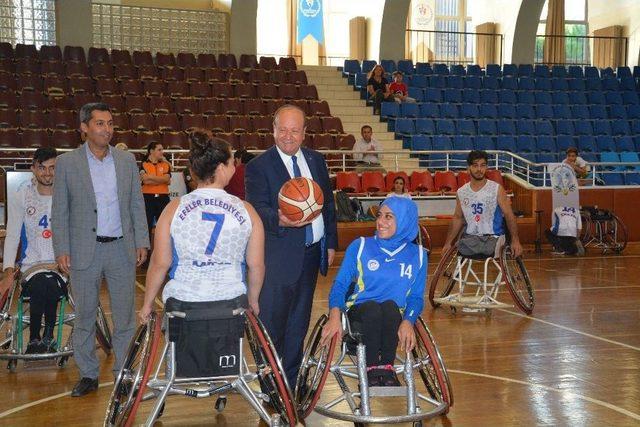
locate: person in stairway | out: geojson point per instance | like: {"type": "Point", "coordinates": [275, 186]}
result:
{"type": "Point", "coordinates": [367, 151]}
{"type": "Point", "coordinates": [378, 88]}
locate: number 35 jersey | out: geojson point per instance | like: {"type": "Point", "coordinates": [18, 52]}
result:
{"type": "Point", "coordinates": [209, 234]}
{"type": "Point", "coordinates": [481, 210]}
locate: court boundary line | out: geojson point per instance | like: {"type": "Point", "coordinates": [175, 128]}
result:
{"type": "Point", "coordinates": [607, 405]}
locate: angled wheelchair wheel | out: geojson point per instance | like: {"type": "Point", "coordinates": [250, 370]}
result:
{"type": "Point", "coordinates": [442, 281]}
{"type": "Point", "coordinates": [103, 333]}
{"type": "Point", "coordinates": [517, 280]}
{"type": "Point", "coordinates": [424, 238]}
{"type": "Point", "coordinates": [316, 363]}
{"type": "Point", "coordinates": [270, 373]}
{"type": "Point", "coordinates": [432, 370]}
{"type": "Point", "coordinates": [129, 387]}
{"type": "Point", "coordinates": [615, 235]}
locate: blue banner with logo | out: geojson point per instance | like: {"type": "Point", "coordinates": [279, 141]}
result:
{"type": "Point", "coordinates": [310, 20]}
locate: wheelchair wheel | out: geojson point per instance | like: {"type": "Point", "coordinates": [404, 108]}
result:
{"type": "Point", "coordinates": [517, 279]}
{"type": "Point", "coordinates": [316, 363]}
{"type": "Point", "coordinates": [103, 333]}
{"type": "Point", "coordinates": [433, 374]}
{"type": "Point", "coordinates": [270, 373]}
{"type": "Point", "coordinates": [129, 387]}
{"type": "Point", "coordinates": [615, 234]}
{"type": "Point", "coordinates": [442, 281]}
{"type": "Point", "coordinates": [424, 238]}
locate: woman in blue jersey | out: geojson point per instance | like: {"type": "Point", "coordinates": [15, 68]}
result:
{"type": "Point", "coordinates": [205, 239]}
{"type": "Point", "coordinates": [389, 272]}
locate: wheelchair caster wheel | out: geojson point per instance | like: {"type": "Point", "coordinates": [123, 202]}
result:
{"type": "Point", "coordinates": [453, 310]}
{"type": "Point", "coordinates": [12, 365]}
{"type": "Point", "coordinates": [161, 411]}
{"type": "Point", "coordinates": [417, 424]}
{"type": "Point", "coordinates": [7, 345]}
{"type": "Point", "coordinates": [358, 425]}
{"type": "Point", "coordinates": [63, 361]}
{"type": "Point", "coordinates": [221, 403]}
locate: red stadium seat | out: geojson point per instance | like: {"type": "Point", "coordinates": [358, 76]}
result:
{"type": "Point", "coordinates": [142, 122]}
{"type": "Point", "coordinates": [222, 90]}
{"type": "Point", "coordinates": [277, 77]}
{"type": "Point", "coordinates": [76, 69]}
{"type": "Point", "coordinates": [184, 105]}
{"type": "Point", "coordinates": [253, 107]}
{"type": "Point", "coordinates": [148, 72]}
{"type": "Point", "coordinates": [217, 123]}
{"type": "Point", "coordinates": [7, 82]}
{"type": "Point", "coordinates": [348, 182]}
{"type": "Point", "coordinates": [79, 99]}
{"type": "Point", "coordinates": [257, 75]}
{"type": "Point", "coordinates": [120, 57]}
{"type": "Point", "coordinates": [8, 101]}
{"type": "Point", "coordinates": [287, 91]}
{"type": "Point", "coordinates": [323, 141]}
{"type": "Point", "coordinates": [115, 102]}
{"type": "Point", "coordinates": [131, 87]}
{"type": "Point", "coordinates": [248, 61]}
{"type": "Point", "coordinates": [268, 63]}
{"type": "Point", "coordinates": [239, 124]}
{"type": "Point", "coordinates": [165, 59]}
{"type": "Point", "coordinates": [213, 75]}
{"type": "Point", "coordinates": [192, 121]}
{"type": "Point", "coordinates": [105, 86]}
{"type": "Point", "coordinates": [167, 122]}
{"type": "Point", "coordinates": [314, 125]}
{"type": "Point", "coordinates": [25, 51]}
{"type": "Point", "coordinates": [32, 101]}
{"type": "Point", "coordinates": [422, 182]}
{"type": "Point", "coordinates": [200, 89]}
{"type": "Point", "coordinates": [175, 140]}
{"type": "Point", "coordinates": [65, 138]}
{"type": "Point", "coordinates": [391, 177]}
{"type": "Point", "coordinates": [9, 138]}
{"type": "Point", "coordinates": [6, 50]}
{"type": "Point", "coordinates": [8, 119]}
{"type": "Point", "coordinates": [207, 60]}
{"type": "Point", "coordinates": [142, 58]}
{"type": "Point", "coordinates": [35, 138]}
{"type": "Point", "coordinates": [332, 125]}
{"type": "Point", "coordinates": [267, 91]}
{"type": "Point", "coordinates": [319, 108]}
{"type": "Point", "coordinates": [74, 54]}
{"type": "Point", "coordinates": [153, 87]}
{"type": "Point", "coordinates": [373, 183]}
{"type": "Point", "coordinates": [136, 104]}
{"type": "Point", "coordinates": [29, 82]}
{"type": "Point", "coordinates": [127, 137]}
{"type": "Point", "coordinates": [445, 181]}
{"type": "Point", "coordinates": [287, 63]}
{"type": "Point", "coordinates": [243, 90]}
{"type": "Point", "coordinates": [193, 74]}
{"type": "Point", "coordinates": [252, 141]}
{"type": "Point", "coordinates": [227, 60]}
{"type": "Point", "coordinates": [52, 68]}
{"type": "Point", "coordinates": [7, 65]}
{"type": "Point", "coordinates": [262, 124]}
{"type": "Point", "coordinates": [297, 77]}
{"type": "Point", "coordinates": [496, 176]}
{"type": "Point", "coordinates": [99, 55]}
{"type": "Point", "coordinates": [121, 121]}
{"type": "Point", "coordinates": [175, 89]}
{"type": "Point", "coordinates": [345, 142]}
{"type": "Point", "coordinates": [125, 72]}
{"type": "Point", "coordinates": [209, 106]}
{"type": "Point", "coordinates": [235, 75]}
{"type": "Point", "coordinates": [143, 139]}
{"type": "Point", "coordinates": [308, 92]}
{"type": "Point", "coordinates": [59, 119]}
{"type": "Point", "coordinates": [231, 106]}
{"type": "Point", "coordinates": [59, 103]}
{"type": "Point", "coordinates": [186, 59]}
{"type": "Point", "coordinates": [172, 74]}
{"type": "Point", "coordinates": [27, 66]}
{"type": "Point", "coordinates": [85, 85]}
{"type": "Point", "coordinates": [463, 178]}
{"type": "Point", "coordinates": [268, 141]}
{"type": "Point", "coordinates": [102, 71]}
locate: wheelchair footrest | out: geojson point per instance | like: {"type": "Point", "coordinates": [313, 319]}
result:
{"type": "Point", "coordinates": [480, 302]}
{"type": "Point", "coordinates": [399, 391]}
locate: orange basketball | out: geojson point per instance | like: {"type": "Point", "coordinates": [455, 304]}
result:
{"type": "Point", "coordinates": [300, 199]}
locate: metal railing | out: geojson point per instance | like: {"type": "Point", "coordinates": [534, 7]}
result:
{"type": "Point", "coordinates": [450, 47]}
{"type": "Point", "coordinates": [578, 49]}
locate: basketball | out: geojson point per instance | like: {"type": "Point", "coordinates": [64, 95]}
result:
{"type": "Point", "coordinates": [300, 199]}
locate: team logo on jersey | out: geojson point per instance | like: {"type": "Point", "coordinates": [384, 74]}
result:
{"type": "Point", "coordinates": [373, 265]}
{"type": "Point", "coordinates": [31, 210]}
{"type": "Point", "coordinates": [477, 218]}
{"type": "Point", "coordinates": [46, 234]}
{"type": "Point", "coordinates": [465, 201]}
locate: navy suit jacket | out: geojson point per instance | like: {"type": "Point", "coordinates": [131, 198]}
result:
{"type": "Point", "coordinates": [284, 246]}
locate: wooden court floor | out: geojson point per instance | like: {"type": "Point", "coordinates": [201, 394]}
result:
{"type": "Point", "coordinates": [574, 362]}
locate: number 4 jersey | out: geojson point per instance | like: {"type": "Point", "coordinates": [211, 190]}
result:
{"type": "Point", "coordinates": [481, 210]}
{"type": "Point", "coordinates": [28, 226]}
{"type": "Point", "coordinates": [209, 234]}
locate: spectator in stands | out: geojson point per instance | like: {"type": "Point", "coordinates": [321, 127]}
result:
{"type": "Point", "coordinates": [236, 184]}
{"type": "Point", "coordinates": [399, 188]}
{"type": "Point", "coordinates": [190, 180]}
{"type": "Point", "coordinates": [565, 229]}
{"type": "Point", "coordinates": [399, 89]}
{"type": "Point", "coordinates": [378, 88]}
{"type": "Point", "coordinates": [155, 174]}
{"type": "Point", "coordinates": [366, 150]}
{"type": "Point", "coordinates": [579, 165]}
{"type": "Point", "coordinates": [122, 146]}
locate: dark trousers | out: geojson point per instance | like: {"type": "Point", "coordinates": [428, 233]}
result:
{"type": "Point", "coordinates": [566, 244]}
{"type": "Point", "coordinates": [154, 206]}
{"type": "Point", "coordinates": [378, 324]}
{"type": "Point", "coordinates": [44, 292]}
{"type": "Point", "coordinates": [285, 311]}
{"type": "Point", "coordinates": [378, 97]}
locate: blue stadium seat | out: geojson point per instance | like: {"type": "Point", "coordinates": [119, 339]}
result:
{"type": "Point", "coordinates": [469, 111]}
{"type": "Point", "coordinates": [589, 157]}
{"type": "Point", "coordinates": [623, 72]}
{"type": "Point", "coordinates": [419, 80]}
{"type": "Point", "coordinates": [409, 109]}
{"type": "Point", "coordinates": [610, 84]}
{"type": "Point", "coordinates": [598, 111]}
{"type": "Point", "coordinates": [632, 178]}
{"type": "Point", "coordinates": [406, 66]}
{"type": "Point", "coordinates": [507, 111]}
{"type": "Point", "coordinates": [440, 69]}
{"type": "Point", "coordinates": [487, 127]}
{"type": "Point", "coordinates": [453, 95]}
{"type": "Point", "coordinates": [421, 142]}
{"type": "Point", "coordinates": [613, 98]}
{"type": "Point", "coordinates": [561, 112]}
{"type": "Point", "coordinates": [546, 144]}
{"type": "Point", "coordinates": [630, 157]}
{"type": "Point", "coordinates": [610, 176]}
{"type": "Point", "coordinates": [559, 84]}
{"type": "Point", "coordinates": [593, 84]}
{"type": "Point", "coordinates": [587, 143]}
{"type": "Point", "coordinates": [506, 143]}
{"type": "Point", "coordinates": [437, 81]}
{"type": "Point", "coordinates": [560, 97]}
{"type": "Point", "coordinates": [368, 64]}
{"type": "Point", "coordinates": [361, 81]}
{"type": "Point", "coordinates": [544, 127]}
{"type": "Point", "coordinates": [389, 110]}
{"type": "Point", "coordinates": [494, 70]}
{"type": "Point", "coordinates": [405, 127]}
{"type": "Point", "coordinates": [544, 111]}
{"type": "Point", "coordinates": [429, 109]}
{"type": "Point", "coordinates": [580, 112]}
{"type": "Point", "coordinates": [621, 127]}
{"type": "Point", "coordinates": [455, 82]}
{"type": "Point", "coordinates": [490, 82]}
{"type": "Point", "coordinates": [525, 127]}
{"type": "Point", "coordinates": [462, 143]}
{"type": "Point", "coordinates": [575, 72]}
{"type": "Point", "coordinates": [465, 127]}
{"type": "Point", "coordinates": [417, 93]}
{"type": "Point", "coordinates": [565, 141]}
{"type": "Point", "coordinates": [630, 98]}
{"type": "Point", "coordinates": [525, 70]}
{"type": "Point", "coordinates": [474, 70]}
{"type": "Point", "coordinates": [484, 143]}
{"type": "Point", "coordinates": [526, 144]}
{"type": "Point", "coordinates": [627, 83]}
{"type": "Point", "coordinates": [488, 111]}
{"type": "Point", "coordinates": [543, 97]}
{"type": "Point", "coordinates": [438, 161]}
{"type": "Point", "coordinates": [583, 127]}
{"type": "Point", "coordinates": [606, 143]}
{"type": "Point", "coordinates": [607, 73]}
{"type": "Point", "coordinates": [351, 66]}
{"type": "Point", "coordinates": [423, 68]}
{"type": "Point", "coordinates": [510, 70]}
{"type": "Point", "coordinates": [449, 111]}
{"type": "Point", "coordinates": [625, 143]}
{"type": "Point", "coordinates": [596, 98]}
{"type": "Point", "coordinates": [541, 71]}
{"type": "Point", "coordinates": [472, 82]}
{"type": "Point", "coordinates": [559, 71]}
{"type": "Point", "coordinates": [526, 97]}
{"type": "Point", "coordinates": [564, 127]}
{"type": "Point", "coordinates": [525, 111]}
{"type": "Point", "coordinates": [509, 82]}
{"type": "Point", "coordinates": [601, 127]}
{"type": "Point", "coordinates": [508, 96]}
{"type": "Point", "coordinates": [577, 98]}
{"type": "Point", "coordinates": [576, 84]}
{"type": "Point", "coordinates": [445, 127]}
{"type": "Point", "coordinates": [389, 65]}
{"type": "Point", "coordinates": [633, 111]}
{"type": "Point", "coordinates": [542, 84]}
{"type": "Point", "coordinates": [425, 126]}
{"type": "Point", "coordinates": [506, 127]}
{"type": "Point", "coordinates": [546, 158]}
{"type": "Point", "coordinates": [488, 96]}
{"type": "Point", "coordinates": [591, 72]}
{"type": "Point", "coordinates": [457, 70]}
{"type": "Point", "coordinates": [471, 95]}
{"type": "Point", "coordinates": [432, 94]}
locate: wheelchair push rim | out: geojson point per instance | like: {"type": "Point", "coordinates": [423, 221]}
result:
{"type": "Point", "coordinates": [443, 281]}
{"type": "Point", "coordinates": [517, 280]}
{"type": "Point", "coordinates": [314, 369]}
{"type": "Point", "coordinates": [436, 380]}
{"type": "Point", "coordinates": [103, 333]}
{"type": "Point", "coordinates": [131, 382]}
{"type": "Point", "coordinates": [270, 373]}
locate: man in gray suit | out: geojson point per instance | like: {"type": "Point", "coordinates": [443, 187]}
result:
{"type": "Point", "coordinates": [99, 230]}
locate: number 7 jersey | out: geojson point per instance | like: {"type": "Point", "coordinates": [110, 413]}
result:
{"type": "Point", "coordinates": [481, 210]}
{"type": "Point", "coordinates": [209, 234]}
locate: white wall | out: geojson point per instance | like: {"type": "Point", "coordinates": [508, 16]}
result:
{"type": "Point", "coordinates": [605, 13]}
{"type": "Point", "coordinates": [272, 30]}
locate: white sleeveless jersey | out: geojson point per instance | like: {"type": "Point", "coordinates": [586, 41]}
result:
{"type": "Point", "coordinates": [209, 235]}
{"type": "Point", "coordinates": [566, 221]}
{"type": "Point", "coordinates": [29, 224]}
{"type": "Point", "coordinates": [480, 208]}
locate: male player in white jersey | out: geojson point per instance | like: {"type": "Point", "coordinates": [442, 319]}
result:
{"type": "Point", "coordinates": [29, 226]}
{"type": "Point", "coordinates": [565, 228]}
{"type": "Point", "coordinates": [482, 205]}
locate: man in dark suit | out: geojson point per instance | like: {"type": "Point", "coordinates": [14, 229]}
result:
{"type": "Point", "coordinates": [294, 251]}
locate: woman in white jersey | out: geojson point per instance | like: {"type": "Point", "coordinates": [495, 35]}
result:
{"type": "Point", "coordinates": [207, 238]}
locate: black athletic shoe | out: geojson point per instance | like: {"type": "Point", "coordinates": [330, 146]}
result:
{"type": "Point", "coordinates": [34, 346]}
{"type": "Point", "coordinates": [389, 378]}
{"type": "Point", "coordinates": [49, 345]}
{"type": "Point", "coordinates": [373, 378]}
{"type": "Point", "coordinates": [84, 386]}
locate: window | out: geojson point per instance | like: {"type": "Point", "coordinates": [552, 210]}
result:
{"type": "Point", "coordinates": [575, 28]}
{"type": "Point", "coordinates": [28, 22]}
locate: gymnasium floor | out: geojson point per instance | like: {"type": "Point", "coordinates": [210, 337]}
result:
{"type": "Point", "coordinates": [576, 361]}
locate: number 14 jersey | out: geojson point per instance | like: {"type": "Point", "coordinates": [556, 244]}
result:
{"type": "Point", "coordinates": [481, 210]}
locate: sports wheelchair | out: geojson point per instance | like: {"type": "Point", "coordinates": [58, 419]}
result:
{"type": "Point", "coordinates": [13, 326]}
{"type": "Point", "coordinates": [225, 370]}
{"type": "Point", "coordinates": [602, 229]}
{"type": "Point", "coordinates": [358, 406]}
{"type": "Point", "coordinates": [456, 284]}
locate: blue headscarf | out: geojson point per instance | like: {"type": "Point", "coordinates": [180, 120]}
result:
{"type": "Point", "coordinates": [406, 213]}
